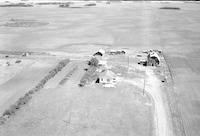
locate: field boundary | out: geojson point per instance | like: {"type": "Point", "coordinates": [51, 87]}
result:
{"type": "Point", "coordinates": [27, 97]}
{"type": "Point", "coordinates": [172, 99]}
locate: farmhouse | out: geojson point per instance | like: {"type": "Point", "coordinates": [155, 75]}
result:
{"type": "Point", "coordinates": [107, 78]}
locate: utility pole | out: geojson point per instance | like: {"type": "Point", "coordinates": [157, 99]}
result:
{"type": "Point", "coordinates": [144, 82]}
{"type": "Point", "coordinates": [128, 65]}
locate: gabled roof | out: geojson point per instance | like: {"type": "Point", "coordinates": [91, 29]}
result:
{"type": "Point", "coordinates": [98, 53]}
{"type": "Point", "coordinates": [107, 74]}
{"type": "Point", "coordinates": [154, 54]}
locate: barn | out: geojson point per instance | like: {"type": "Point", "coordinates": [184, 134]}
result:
{"type": "Point", "coordinates": [153, 59]}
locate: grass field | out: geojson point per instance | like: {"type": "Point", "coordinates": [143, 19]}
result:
{"type": "Point", "coordinates": [132, 26]}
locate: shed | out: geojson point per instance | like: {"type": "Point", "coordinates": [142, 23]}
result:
{"type": "Point", "coordinates": [25, 54]}
{"type": "Point", "coordinates": [101, 52]}
{"type": "Point", "coordinates": [118, 52]}
{"type": "Point", "coordinates": [98, 54]}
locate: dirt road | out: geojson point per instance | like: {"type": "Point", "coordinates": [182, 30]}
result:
{"type": "Point", "coordinates": [162, 123]}
{"type": "Point", "coordinates": [153, 88]}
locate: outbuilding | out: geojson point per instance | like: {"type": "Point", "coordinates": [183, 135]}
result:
{"type": "Point", "coordinates": [25, 54]}
{"type": "Point", "coordinates": [98, 54]}
{"type": "Point", "coordinates": [101, 52]}
{"type": "Point", "coordinates": [153, 59]}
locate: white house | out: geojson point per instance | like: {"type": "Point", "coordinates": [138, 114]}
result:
{"type": "Point", "coordinates": [107, 78]}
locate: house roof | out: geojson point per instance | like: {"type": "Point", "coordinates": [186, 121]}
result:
{"type": "Point", "coordinates": [107, 74]}
{"type": "Point", "coordinates": [98, 53]}
{"type": "Point", "coordinates": [102, 51]}
{"type": "Point", "coordinates": [154, 54]}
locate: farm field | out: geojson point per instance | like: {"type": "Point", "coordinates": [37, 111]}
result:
{"type": "Point", "coordinates": [77, 33]}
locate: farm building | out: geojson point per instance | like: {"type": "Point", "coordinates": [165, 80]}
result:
{"type": "Point", "coordinates": [117, 52]}
{"type": "Point", "coordinates": [25, 54]}
{"type": "Point", "coordinates": [107, 78]}
{"type": "Point", "coordinates": [101, 52]}
{"type": "Point", "coordinates": [98, 54]}
{"type": "Point", "coordinates": [153, 59]}
{"type": "Point", "coordinates": [103, 63]}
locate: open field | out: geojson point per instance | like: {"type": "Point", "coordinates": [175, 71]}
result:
{"type": "Point", "coordinates": [76, 34]}
{"type": "Point", "coordinates": [18, 78]}
{"type": "Point", "coordinates": [67, 109]}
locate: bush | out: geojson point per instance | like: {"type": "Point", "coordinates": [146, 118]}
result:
{"type": "Point", "coordinates": [31, 92]}
{"type": "Point", "coordinates": [15, 107]}
{"type": "Point", "coordinates": [23, 100]}
{"type": "Point", "coordinates": [68, 76]}
{"type": "Point", "coordinates": [93, 62]}
{"type": "Point", "coordinates": [2, 120]}
{"type": "Point", "coordinates": [91, 4]}
{"type": "Point", "coordinates": [26, 98]}
{"type": "Point", "coordinates": [170, 8]}
{"type": "Point", "coordinates": [6, 112]}
{"type": "Point", "coordinates": [89, 76]}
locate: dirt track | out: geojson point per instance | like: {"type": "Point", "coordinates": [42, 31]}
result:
{"type": "Point", "coordinates": [152, 87]}
{"type": "Point", "coordinates": [162, 123]}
